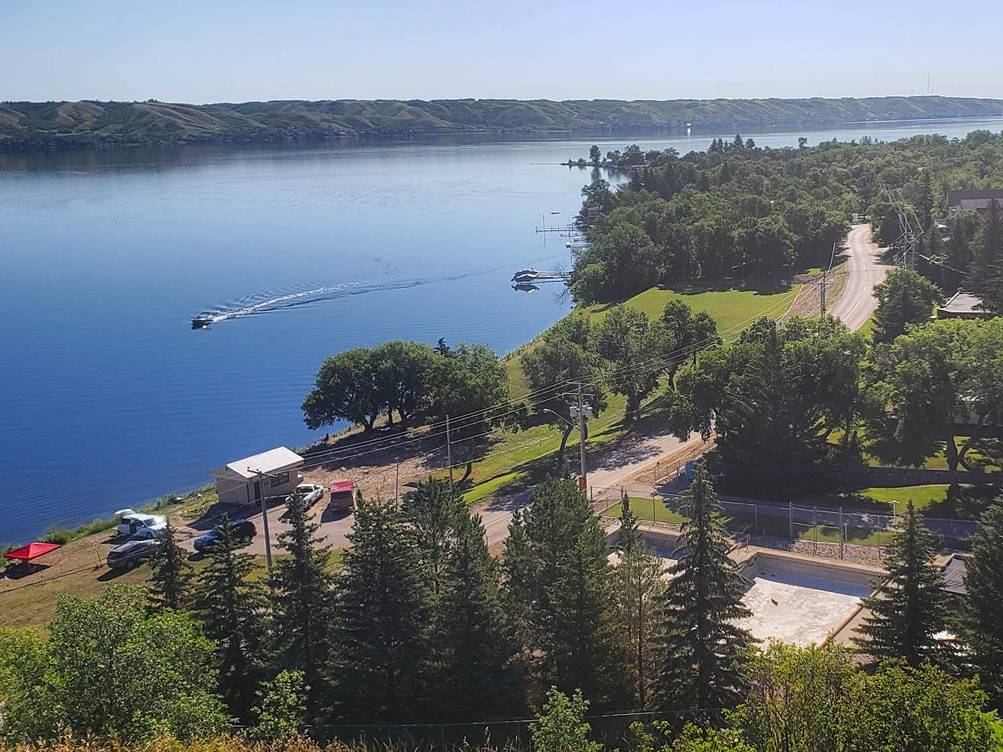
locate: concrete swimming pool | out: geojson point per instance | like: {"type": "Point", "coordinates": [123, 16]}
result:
{"type": "Point", "coordinates": [801, 601]}
{"type": "Point", "coordinates": [793, 598]}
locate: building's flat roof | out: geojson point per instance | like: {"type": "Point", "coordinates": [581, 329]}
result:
{"type": "Point", "coordinates": [954, 575]}
{"type": "Point", "coordinates": [963, 302]}
{"type": "Point", "coordinates": [271, 461]}
{"type": "Point", "coordinates": [970, 193]}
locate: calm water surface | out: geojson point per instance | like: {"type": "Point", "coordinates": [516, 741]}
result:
{"type": "Point", "coordinates": [109, 399]}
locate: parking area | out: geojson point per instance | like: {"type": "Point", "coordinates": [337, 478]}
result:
{"type": "Point", "coordinates": [333, 532]}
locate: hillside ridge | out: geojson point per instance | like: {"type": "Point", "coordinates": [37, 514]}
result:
{"type": "Point", "coordinates": [31, 126]}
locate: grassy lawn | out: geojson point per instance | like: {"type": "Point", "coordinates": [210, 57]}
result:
{"type": "Point", "coordinates": [642, 508]}
{"type": "Point", "coordinates": [733, 310]}
{"type": "Point", "coordinates": [988, 462]}
{"type": "Point", "coordinates": [523, 456]}
{"type": "Point", "coordinates": [867, 328]}
{"type": "Point", "coordinates": [921, 496]}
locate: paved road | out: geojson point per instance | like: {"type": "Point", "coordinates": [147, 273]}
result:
{"type": "Point", "coordinates": [610, 470]}
{"type": "Point", "coordinates": [857, 302]}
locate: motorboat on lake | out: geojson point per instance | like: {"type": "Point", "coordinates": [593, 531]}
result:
{"type": "Point", "coordinates": [202, 321]}
{"type": "Point", "coordinates": [525, 275]}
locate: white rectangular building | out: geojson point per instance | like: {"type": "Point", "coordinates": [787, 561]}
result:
{"type": "Point", "coordinates": [266, 475]}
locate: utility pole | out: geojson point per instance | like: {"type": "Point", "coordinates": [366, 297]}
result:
{"type": "Point", "coordinates": [583, 480]}
{"type": "Point", "coordinates": [823, 291]}
{"type": "Point", "coordinates": [449, 455]}
{"type": "Point", "coordinates": [825, 274]}
{"type": "Point", "coordinates": [264, 520]}
{"type": "Point", "coordinates": [583, 411]}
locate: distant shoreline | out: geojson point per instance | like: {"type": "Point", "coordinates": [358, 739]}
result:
{"type": "Point", "coordinates": [61, 126]}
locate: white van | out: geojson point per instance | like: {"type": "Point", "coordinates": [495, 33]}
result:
{"type": "Point", "coordinates": [137, 524]}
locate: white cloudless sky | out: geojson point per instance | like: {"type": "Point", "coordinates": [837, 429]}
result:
{"type": "Point", "coordinates": [203, 51]}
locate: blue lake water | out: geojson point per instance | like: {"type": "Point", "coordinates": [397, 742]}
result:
{"type": "Point", "coordinates": [109, 399]}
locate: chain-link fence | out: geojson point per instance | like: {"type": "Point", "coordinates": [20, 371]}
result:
{"type": "Point", "coordinates": [817, 529]}
{"type": "Point", "coordinates": [613, 731]}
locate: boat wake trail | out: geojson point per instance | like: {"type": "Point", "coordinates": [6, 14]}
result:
{"type": "Point", "coordinates": [279, 300]}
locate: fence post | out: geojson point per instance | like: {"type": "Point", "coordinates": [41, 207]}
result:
{"type": "Point", "coordinates": [842, 536]}
{"type": "Point", "coordinates": [814, 524]}
{"type": "Point", "coordinates": [790, 520]}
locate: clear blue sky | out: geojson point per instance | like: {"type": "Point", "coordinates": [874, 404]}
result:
{"type": "Point", "coordinates": [210, 51]}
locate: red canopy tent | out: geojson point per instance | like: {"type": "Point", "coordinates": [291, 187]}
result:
{"type": "Point", "coordinates": [31, 551]}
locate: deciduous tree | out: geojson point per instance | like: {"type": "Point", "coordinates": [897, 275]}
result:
{"type": "Point", "coordinates": [626, 339]}
{"type": "Point", "coordinates": [904, 298]}
{"type": "Point", "coordinates": [934, 382]}
{"type": "Point", "coordinates": [562, 356]}
{"type": "Point", "coordinates": [346, 389]}
{"type": "Point", "coordinates": [118, 669]}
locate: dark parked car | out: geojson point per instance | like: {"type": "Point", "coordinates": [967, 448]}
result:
{"type": "Point", "coordinates": [242, 530]}
{"type": "Point", "coordinates": [133, 553]}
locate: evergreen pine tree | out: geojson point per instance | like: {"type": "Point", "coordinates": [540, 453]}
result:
{"type": "Point", "coordinates": [566, 607]}
{"type": "Point", "coordinates": [382, 608]}
{"type": "Point", "coordinates": [629, 535]}
{"type": "Point", "coordinates": [302, 602]}
{"type": "Point", "coordinates": [638, 585]}
{"type": "Point", "coordinates": [908, 609]}
{"type": "Point", "coordinates": [171, 574]}
{"type": "Point", "coordinates": [229, 605]}
{"type": "Point", "coordinates": [700, 654]}
{"type": "Point", "coordinates": [982, 617]}
{"type": "Point", "coordinates": [469, 646]}
{"type": "Point", "coordinates": [436, 512]}
{"type": "Point", "coordinates": [472, 647]}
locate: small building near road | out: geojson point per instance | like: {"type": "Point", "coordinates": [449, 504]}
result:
{"type": "Point", "coordinates": [266, 475]}
{"type": "Point", "coordinates": [963, 305]}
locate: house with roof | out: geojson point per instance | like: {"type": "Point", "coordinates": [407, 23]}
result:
{"type": "Point", "coordinates": [274, 473]}
{"type": "Point", "coordinates": [973, 200]}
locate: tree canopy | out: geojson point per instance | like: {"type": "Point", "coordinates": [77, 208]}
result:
{"type": "Point", "coordinates": [411, 379]}
{"type": "Point", "coordinates": [773, 398]}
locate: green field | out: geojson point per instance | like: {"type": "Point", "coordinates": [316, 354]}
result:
{"type": "Point", "coordinates": [733, 310]}
{"type": "Point", "coordinates": [642, 509]}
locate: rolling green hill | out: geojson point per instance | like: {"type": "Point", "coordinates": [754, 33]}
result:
{"type": "Point", "coordinates": [28, 126]}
